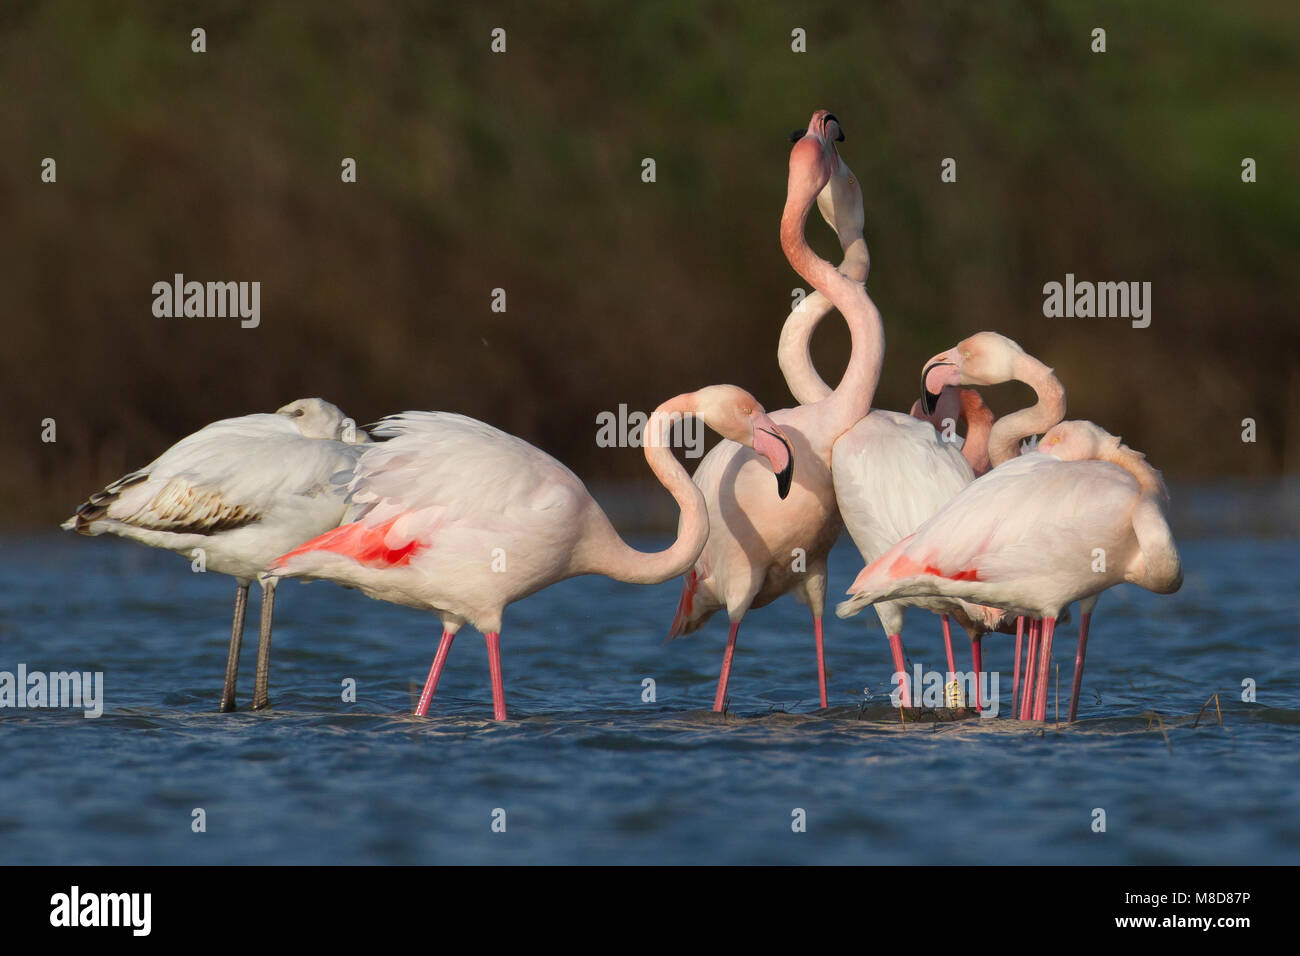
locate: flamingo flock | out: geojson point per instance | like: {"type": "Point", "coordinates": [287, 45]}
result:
{"type": "Point", "coordinates": [450, 515]}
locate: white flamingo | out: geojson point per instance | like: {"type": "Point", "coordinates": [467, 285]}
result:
{"type": "Point", "coordinates": [459, 518]}
{"type": "Point", "coordinates": [243, 490]}
{"type": "Point", "coordinates": [1025, 537]}
{"type": "Point", "coordinates": [759, 549]}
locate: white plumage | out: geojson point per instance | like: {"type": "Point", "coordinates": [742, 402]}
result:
{"type": "Point", "coordinates": [244, 490]}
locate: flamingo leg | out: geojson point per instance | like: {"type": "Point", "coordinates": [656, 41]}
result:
{"type": "Point", "coordinates": [236, 644]}
{"type": "Point", "coordinates": [435, 672]}
{"type": "Point", "coordinates": [900, 667]}
{"type": "Point", "coordinates": [1044, 669]}
{"type": "Point", "coordinates": [1078, 667]}
{"type": "Point", "coordinates": [1031, 658]}
{"type": "Point", "coordinates": [498, 685]}
{"type": "Point", "coordinates": [821, 659]}
{"type": "Point", "coordinates": [1015, 676]}
{"type": "Point", "coordinates": [725, 676]}
{"type": "Point", "coordinates": [260, 697]}
{"type": "Point", "coordinates": [977, 658]}
{"type": "Point", "coordinates": [947, 646]}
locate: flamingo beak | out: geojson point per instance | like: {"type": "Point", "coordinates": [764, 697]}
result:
{"type": "Point", "coordinates": [930, 399]}
{"type": "Point", "coordinates": [839, 131]}
{"type": "Point", "coordinates": [773, 445]}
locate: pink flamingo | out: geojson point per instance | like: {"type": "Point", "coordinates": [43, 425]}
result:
{"type": "Point", "coordinates": [454, 516]}
{"type": "Point", "coordinates": [243, 490]}
{"type": "Point", "coordinates": [1028, 536]}
{"type": "Point", "coordinates": [758, 549]}
{"type": "Point", "coordinates": [890, 471]}
{"type": "Point", "coordinates": [988, 358]}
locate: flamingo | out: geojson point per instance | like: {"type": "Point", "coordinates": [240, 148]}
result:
{"type": "Point", "coordinates": [989, 358]}
{"type": "Point", "coordinates": [243, 490]}
{"type": "Point", "coordinates": [890, 471]}
{"type": "Point", "coordinates": [757, 549]}
{"type": "Point", "coordinates": [459, 518]}
{"type": "Point", "coordinates": [1027, 537]}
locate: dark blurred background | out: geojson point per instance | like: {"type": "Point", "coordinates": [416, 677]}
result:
{"type": "Point", "coordinates": [523, 171]}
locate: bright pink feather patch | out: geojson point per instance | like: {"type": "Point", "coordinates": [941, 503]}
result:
{"type": "Point", "coordinates": [365, 544]}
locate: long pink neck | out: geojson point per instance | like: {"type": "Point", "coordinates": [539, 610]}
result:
{"type": "Point", "coordinates": [851, 399]}
{"type": "Point", "coordinates": [793, 352]}
{"type": "Point", "coordinates": [979, 425]}
{"type": "Point", "coordinates": [1005, 438]}
{"type": "Point", "coordinates": [1135, 463]}
{"type": "Point", "coordinates": [619, 560]}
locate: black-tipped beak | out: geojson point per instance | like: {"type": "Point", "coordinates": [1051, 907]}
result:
{"type": "Point", "coordinates": [797, 135]}
{"type": "Point", "coordinates": [839, 130]}
{"type": "Point", "coordinates": [784, 477]}
{"type": "Point", "coordinates": [929, 399]}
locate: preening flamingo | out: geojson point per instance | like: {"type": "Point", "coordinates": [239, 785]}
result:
{"type": "Point", "coordinates": [759, 549]}
{"type": "Point", "coordinates": [459, 518]}
{"type": "Point", "coordinates": [1061, 524]}
{"type": "Point", "coordinates": [244, 490]}
{"type": "Point", "coordinates": [988, 358]}
{"type": "Point", "coordinates": [890, 471]}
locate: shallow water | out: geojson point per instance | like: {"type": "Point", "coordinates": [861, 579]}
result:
{"type": "Point", "coordinates": [588, 773]}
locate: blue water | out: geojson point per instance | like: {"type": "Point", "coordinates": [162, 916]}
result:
{"type": "Point", "coordinates": [588, 773]}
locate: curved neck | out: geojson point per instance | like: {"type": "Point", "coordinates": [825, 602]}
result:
{"type": "Point", "coordinates": [1135, 463]}
{"type": "Point", "coordinates": [793, 352]}
{"type": "Point", "coordinates": [1010, 430]}
{"type": "Point", "coordinates": [979, 425]}
{"type": "Point", "coordinates": [851, 399]}
{"type": "Point", "coordinates": [621, 561]}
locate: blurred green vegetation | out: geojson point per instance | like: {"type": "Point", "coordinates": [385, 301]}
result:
{"type": "Point", "coordinates": [522, 171]}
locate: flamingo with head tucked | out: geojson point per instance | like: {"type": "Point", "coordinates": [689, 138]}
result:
{"type": "Point", "coordinates": [243, 490]}
{"type": "Point", "coordinates": [1025, 537]}
{"type": "Point", "coordinates": [758, 549]}
{"type": "Point", "coordinates": [456, 517]}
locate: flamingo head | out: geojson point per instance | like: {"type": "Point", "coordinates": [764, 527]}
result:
{"type": "Point", "coordinates": [315, 418]}
{"type": "Point", "coordinates": [735, 414]}
{"type": "Point", "coordinates": [986, 358]}
{"type": "Point", "coordinates": [814, 159]}
{"type": "Point", "coordinates": [1078, 441]}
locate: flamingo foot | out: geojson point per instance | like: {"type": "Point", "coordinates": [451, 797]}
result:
{"type": "Point", "coordinates": [1044, 669]}
{"type": "Point", "coordinates": [1015, 676]}
{"type": "Point", "coordinates": [725, 676]}
{"type": "Point", "coordinates": [978, 658]}
{"type": "Point", "coordinates": [1078, 667]}
{"type": "Point", "coordinates": [1031, 659]}
{"type": "Point", "coordinates": [498, 685]}
{"type": "Point", "coordinates": [435, 672]}
{"type": "Point", "coordinates": [900, 667]}
{"type": "Point", "coordinates": [947, 646]}
{"type": "Point", "coordinates": [821, 659]}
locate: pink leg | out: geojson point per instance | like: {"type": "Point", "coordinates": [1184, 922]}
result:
{"type": "Point", "coordinates": [821, 659]}
{"type": "Point", "coordinates": [1015, 677]}
{"type": "Point", "coordinates": [726, 668]}
{"type": "Point", "coordinates": [431, 683]}
{"type": "Point", "coordinates": [1078, 667]}
{"type": "Point", "coordinates": [498, 685]}
{"type": "Point", "coordinates": [1044, 669]}
{"type": "Point", "coordinates": [947, 646]}
{"type": "Point", "coordinates": [977, 657]}
{"type": "Point", "coordinates": [900, 667]}
{"type": "Point", "coordinates": [1031, 658]}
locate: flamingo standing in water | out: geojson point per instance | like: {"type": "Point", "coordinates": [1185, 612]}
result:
{"type": "Point", "coordinates": [758, 549]}
{"type": "Point", "coordinates": [1025, 537]}
{"type": "Point", "coordinates": [890, 471]}
{"type": "Point", "coordinates": [456, 517]}
{"type": "Point", "coordinates": [244, 490]}
{"type": "Point", "coordinates": [988, 358]}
